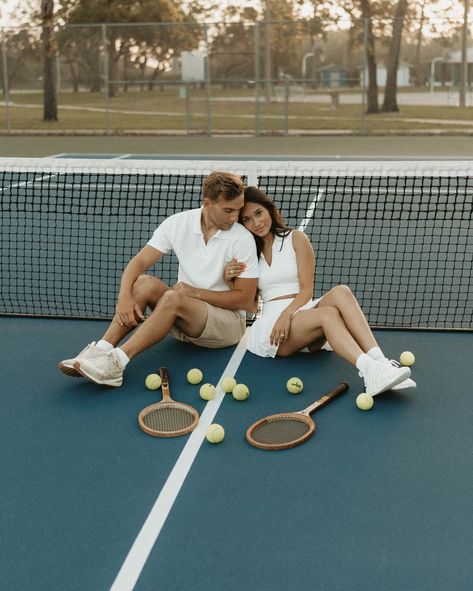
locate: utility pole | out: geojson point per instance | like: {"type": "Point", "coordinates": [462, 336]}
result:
{"type": "Point", "coordinates": [268, 86]}
{"type": "Point", "coordinates": [464, 58]}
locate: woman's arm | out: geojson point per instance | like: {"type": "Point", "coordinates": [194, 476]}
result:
{"type": "Point", "coordinates": [305, 258]}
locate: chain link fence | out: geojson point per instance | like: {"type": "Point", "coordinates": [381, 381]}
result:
{"type": "Point", "coordinates": [267, 77]}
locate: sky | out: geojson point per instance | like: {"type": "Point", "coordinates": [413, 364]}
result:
{"type": "Point", "coordinates": [7, 7]}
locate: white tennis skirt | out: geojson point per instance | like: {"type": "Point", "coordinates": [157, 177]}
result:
{"type": "Point", "coordinates": [258, 333]}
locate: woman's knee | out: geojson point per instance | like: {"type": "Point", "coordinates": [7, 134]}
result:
{"type": "Point", "coordinates": [329, 314]}
{"type": "Point", "coordinates": [342, 292]}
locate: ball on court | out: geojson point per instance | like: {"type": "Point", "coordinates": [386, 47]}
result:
{"type": "Point", "coordinates": [228, 384]}
{"type": "Point", "coordinates": [207, 392]}
{"type": "Point", "coordinates": [240, 392]}
{"type": "Point", "coordinates": [294, 385]}
{"type": "Point", "coordinates": [153, 381]}
{"type": "Point", "coordinates": [364, 401]}
{"type": "Point", "coordinates": [194, 376]}
{"type": "Point", "coordinates": [407, 358]}
{"type": "Point", "coordinates": [215, 433]}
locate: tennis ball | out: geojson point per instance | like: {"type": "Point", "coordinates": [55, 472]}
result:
{"type": "Point", "coordinates": [295, 385]}
{"type": "Point", "coordinates": [364, 401]}
{"type": "Point", "coordinates": [215, 433]}
{"type": "Point", "coordinates": [207, 392]}
{"type": "Point", "coordinates": [194, 376]}
{"type": "Point", "coordinates": [153, 381]}
{"type": "Point", "coordinates": [240, 392]}
{"type": "Point", "coordinates": [228, 384]}
{"type": "Point", "coordinates": [407, 358]}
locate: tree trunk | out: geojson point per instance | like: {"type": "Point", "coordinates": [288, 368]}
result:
{"type": "Point", "coordinates": [390, 92]}
{"type": "Point", "coordinates": [372, 94]}
{"type": "Point", "coordinates": [49, 60]}
{"type": "Point", "coordinates": [419, 78]}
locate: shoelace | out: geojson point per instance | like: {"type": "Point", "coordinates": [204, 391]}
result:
{"type": "Point", "coordinates": [107, 362]}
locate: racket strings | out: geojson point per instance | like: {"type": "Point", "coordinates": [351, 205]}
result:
{"type": "Point", "coordinates": [169, 418]}
{"type": "Point", "coordinates": [280, 430]}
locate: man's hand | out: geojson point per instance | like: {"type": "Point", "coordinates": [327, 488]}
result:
{"type": "Point", "coordinates": [127, 312]}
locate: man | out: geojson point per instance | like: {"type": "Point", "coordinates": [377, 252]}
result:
{"type": "Point", "coordinates": [200, 308]}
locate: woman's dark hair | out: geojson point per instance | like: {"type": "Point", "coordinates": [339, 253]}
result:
{"type": "Point", "coordinates": [278, 226]}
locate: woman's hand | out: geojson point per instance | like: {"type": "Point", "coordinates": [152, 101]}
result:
{"type": "Point", "coordinates": [233, 269]}
{"type": "Point", "coordinates": [281, 329]}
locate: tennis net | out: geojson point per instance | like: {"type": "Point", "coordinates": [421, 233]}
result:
{"type": "Point", "coordinates": [400, 234]}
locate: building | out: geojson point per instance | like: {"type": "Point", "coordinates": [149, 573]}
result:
{"type": "Point", "coordinates": [403, 74]}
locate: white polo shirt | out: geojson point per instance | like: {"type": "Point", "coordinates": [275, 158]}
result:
{"type": "Point", "coordinates": [200, 264]}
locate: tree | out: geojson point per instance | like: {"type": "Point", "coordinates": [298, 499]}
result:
{"type": "Point", "coordinates": [372, 94]}
{"type": "Point", "coordinates": [49, 56]}
{"type": "Point", "coordinates": [390, 92]}
{"type": "Point", "coordinates": [125, 39]}
{"type": "Point", "coordinates": [232, 54]}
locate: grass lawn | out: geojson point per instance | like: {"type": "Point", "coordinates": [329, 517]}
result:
{"type": "Point", "coordinates": [228, 110]}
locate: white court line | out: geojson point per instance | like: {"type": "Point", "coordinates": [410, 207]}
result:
{"type": "Point", "coordinates": [28, 183]}
{"type": "Point", "coordinates": [311, 210]}
{"type": "Point", "coordinates": [135, 561]}
{"type": "Point", "coordinates": [144, 542]}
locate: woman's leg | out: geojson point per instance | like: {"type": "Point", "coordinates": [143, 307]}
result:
{"type": "Point", "coordinates": [318, 325]}
{"type": "Point", "coordinates": [342, 298]}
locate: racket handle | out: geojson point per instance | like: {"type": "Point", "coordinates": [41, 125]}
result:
{"type": "Point", "coordinates": [340, 389]}
{"type": "Point", "coordinates": [163, 372]}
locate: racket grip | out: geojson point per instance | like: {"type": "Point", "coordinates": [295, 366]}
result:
{"type": "Point", "coordinates": [339, 389]}
{"type": "Point", "coordinates": [163, 372]}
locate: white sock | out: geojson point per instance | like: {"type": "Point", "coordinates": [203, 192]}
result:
{"type": "Point", "coordinates": [363, 362]}
{"type": "Point", "coordinates": [104, 345]}
{"type": "Point", "coordinates": [122, 357]}
{"type": "Point", "coordinates": [376, 354]}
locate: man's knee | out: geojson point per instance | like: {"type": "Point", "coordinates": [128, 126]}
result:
{"type": "Point", "coordinates": [171, 301]}
{"type": "Point", "coordinates": [148, 288]}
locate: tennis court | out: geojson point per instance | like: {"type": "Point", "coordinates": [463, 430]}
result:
{"type": "Point", "coordinates": [376, 500]}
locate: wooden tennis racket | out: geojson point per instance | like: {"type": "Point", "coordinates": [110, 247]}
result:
{"type": "Point", "coordinates": [168, 418]}
{"type": "Point", "coordinates": [289, 429]}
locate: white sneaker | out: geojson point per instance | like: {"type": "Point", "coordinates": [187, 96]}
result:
{"type": "Point", "coordinates": [381, 376]}
{"type": "Point", "coordinates": [67, 365]}
{"type": "Point", "coordinates": [405, 385]}
{"type": "Point", "coordinates": [104, 369]}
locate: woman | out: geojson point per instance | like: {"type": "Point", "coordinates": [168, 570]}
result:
{"type": "Point", "coordinates": [291, 320]}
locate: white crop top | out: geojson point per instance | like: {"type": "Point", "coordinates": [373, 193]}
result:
{"type": "Point", "coordinates": [280, 278]}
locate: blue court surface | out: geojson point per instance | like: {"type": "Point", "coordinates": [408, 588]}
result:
{"type": "Point", "coordinates": [375, 500]}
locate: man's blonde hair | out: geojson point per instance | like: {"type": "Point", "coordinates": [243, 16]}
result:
{"type": "Point", "coordinates": [225, 184]}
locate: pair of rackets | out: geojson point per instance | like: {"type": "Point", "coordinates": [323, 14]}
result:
{"type": "Point", "coordinates": [169, 418]}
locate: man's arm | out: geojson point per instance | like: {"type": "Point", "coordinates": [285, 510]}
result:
{"type": "Point", "coordinates": [241, 297]}
{"type": "Point", "coordinates": [127, 310]}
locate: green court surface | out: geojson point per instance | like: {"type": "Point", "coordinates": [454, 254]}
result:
{"type": "Point", "coordinates": [375, 500]}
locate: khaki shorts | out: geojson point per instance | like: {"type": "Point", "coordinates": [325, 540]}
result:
{"type": "Point", "coordinates": [223, 329]}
